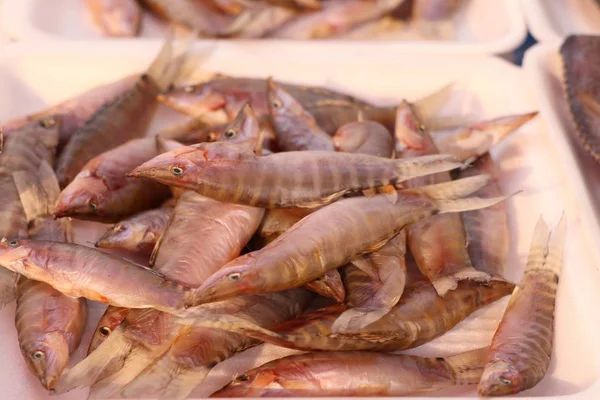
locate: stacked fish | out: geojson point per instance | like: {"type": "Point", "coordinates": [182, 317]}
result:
{"type": "Point", "coordinates": [273, 197]}
{"type": "Point", "coordinates": [282, 19]}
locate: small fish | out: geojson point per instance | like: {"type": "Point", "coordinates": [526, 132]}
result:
{"type": "Point", "coordinates": [120, 18]}
{"type": "Point", "coordinates": [138, 233]}
{"type": "Point", "coordinates": [49, 324]}
{"type": "Point", "coordinates": [295, 128]}
{"type": "Point", "coordinates": [228, 172]}
{"type": "Point", "coordinates": [364, 137]}
{"type": "Point", "coordinates": [111, 319]}
{"type": "Point", "coordinates": [101, 191]}
{"type": "Point", "coordinates": [75, 111]}
{"type": "Point", "coordinates": [24, 150]}
{"type": "Point", "coordinates": [113, 123]}
{"type": "Point", "coordinates": [340, 374]}
{"type": "Point", "coordinates": [419, 317]}
{"type": "Point", "coordinates": [438, 244]}
{"type": "Point", "coordinates": [522, 346]}
{"type": "Point", "coordinates": [326, 239]}
{"type": "Point", "coordinates": [335, 18]}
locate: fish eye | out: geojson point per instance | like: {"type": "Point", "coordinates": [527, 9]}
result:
{"type": "Point", "coordinates": [189, 89]}
{"type": "Point", "coordinates": [105, 331]}
{"type": "Point", "coordinates": [243, 378]}
{"type": "Point", "coordinates": [422, 128]}
{"type": "Point", "coordinates": [177, 171]}
{"type": "Point", "coordinates": [234, 276]}
{"type": "Point", "coordinates": [277, 103]}
{"type": "Point", "coordinates": [230, 134]}
{"type": "Point", "coordinates": [211, 137]}
{"type": "Point", "coordinates": [119, 228]}
{"type": "Point", "coordinates": [37, 355]}
{"type": "Point", "coordinates": [93, 206]}
{"type": "Point", "coordinates": [47, 123]}
{"type": "Point", "coordinates": [506, 381]}
{"type": "Point", "coordinates": [13, 243]}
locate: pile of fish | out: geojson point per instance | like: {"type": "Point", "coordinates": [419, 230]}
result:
{"type": "Point", "coordinates": [282, 19]}
{"type": "Point", "coordinates": [279, 213]}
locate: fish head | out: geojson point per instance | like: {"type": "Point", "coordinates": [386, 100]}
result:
{"type": "Point", "coordinates": [409, 131]}
{"type": "Point", "coordinates": [13, 253]}
{"type": "Point", "coordinates": [47, 356]}
{"type": "Point", "coordinates": [124, 234]}
{"type": "Point", "coordinates": [281, 102]}
{"type": "Point", "coordinates": [112, 318]}
{"type": "Point", "coordinates": [350, 137]}
{"type": "Point", "coordinates": [499, 379]}
{"type": "Point", "coordinates": [243, 129]}
{"type": "Point", "coordinates": [83, 198]}
{"type": "Point", "coordinates": [200, 99]}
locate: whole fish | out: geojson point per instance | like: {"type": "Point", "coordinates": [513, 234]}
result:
{"type": "Point", "coordinates": [220, 98]}
{"type": "Point", "coordinates": [101, 191]}
{"type": "Point", "coordinates": [110, 320]}
{"type": "Point", "coordinates": [356, 374]}
{"type": "Point", "coordinates": [191, 357]}
{"type": "Point", "coordinates": [438, 244]}
{"type": "Point", "coordinates": [140, 232]}
{"type": "Point", "coordinates": [419, 317]}
{"type": "Point", "coordinates": [24, 150]}
{"type": "Point", "coordinates": [201, 16]}
{"type": "Point", "coordinates": [335, 18]}
{"type": "Point", "coordinates": [126, 117]}
{"type": "Point", "coordinates": [74, 112]}
{"type": "Point", "coordinates": [223, 230]}
{"type": "Point", "coordinates": [364, 137]}
{"type": "Point", "coordinates": [231, 173]}
{"type": "Point", "coordinates": [119, 18]}
{"type": "Point", "coordinates": [295, 128]}
{"type": "Point", "coordinates": [522, 346]}
{"type": "Point", "coordinates": [579, 55]}
{"type": "Point", "coordinates": [49, 324]}
{"type": "Point", "coordinates": [329, 238]}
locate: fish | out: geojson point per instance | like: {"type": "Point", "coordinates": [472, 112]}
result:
{"type": "Point", "coordinates": [227, 172]}
{"type": "Point", "coordinates": [364, 137]}
{"type": "Point", "coordinates": [522, 345]}
{"type": "Point", "coordinates": [191, 357]}
{"type": "Point", "coordinates": [138, 233]}
{"type": "Point", "coordinates": [223, 229]}
{"type": "Point", "coordinates": [329, 285]}
{"type": "Point", "coordinates": [356, 374]}
{"type": "Point", "coordinates": [116, 18]}
{"type": "Point", "coordinates": [328, 239]}
{"type": "Point", "coordinates": [419, 317]}
{"type": "Point", "coordinates": [49, 324]}
{"type": "Point", "coordinates": [80, 271]}
{"type": "Point", "coordinates": [101, 191]}
{"type": "Point", "coordinates": [110, 320]}
{"type": "Point", "coordinates": [295, 128]}
{"type": "Point", "coordinates": [579, 54]}
{"type": "Point", "coordinates": [219, 99]}
{"type": "Point", "coordinates": [201, 16]}
{"type": "Point", "coordinates": [23, 150]}
{"type": "Point", "coordinates": [75, 111]}
{"type": "Point", "coordinates": [439, 243]}
{"type": "Point", "coordinates": [265, 19]}
{"type": "Point", "coordinates": [335, 18]}
{"type": "Point", "coordinates": [230, 6]}
{"type": "Point", "coordinates": [113, 123]}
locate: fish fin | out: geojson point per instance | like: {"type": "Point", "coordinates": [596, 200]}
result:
{"type": "Point", "coordinates": [38, 192]}
{"type": "Point", "coordinates": [538, 250]}
{"type": "Point", "coordinates": [199, 316]}
{"type": "Point", "coordinates": [321, 202]}
{"type": "Point", "coordinates": [499, 128]}
{"type": "Point", "coordinates": [446, 283]}
{"type": "Point", "coordinates": [356, 319]}
{"type": "Point", "coordinates": [329, 285]}
{"type": "Point", "coordinates": [430, 105]}
{"type": "Point", "coordinates": [390, 192]}
{"type": "Point", "coordinates": [166, 66]}
{"type": "Point", "coordinates": [184, 383]}
{"type": "Point", "coordinates": [468, 204]}
{"type": "Point", "coordinates": [153, 379]}
{"type": "Point", "coordinates": [8, 281]}
{"type": "Point", "coordinates": [156, 248]}
{"type": "Point", "coordinates": [455, 189]}
{"type": "Point", "coordinates": [556, 246]}
{"type": "Point", "coordinates": [589, 102]}
{"type": "Point", "coordinates": [137, 360]}
{"type": "Point", "coordinates": [365, 265]}
{"type": "Point", "coordinates": [90, 368]}
{"type": "Point", "coordinates": [407, 168]}
{"type": "Point", "coordinates": [468, 366]}
{"type": "Point", "coordinates": [370, 192]}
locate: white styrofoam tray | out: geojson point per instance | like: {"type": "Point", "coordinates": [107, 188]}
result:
{"type": "Point", "coordinates": [550, 21]}
{"type": "Point", "coordinates": [482, 26]}
{"type": "Point", "coordinates": [32, 76]}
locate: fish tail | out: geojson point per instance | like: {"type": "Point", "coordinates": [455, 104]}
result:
{"type": "Point", "coordinates": [407, 168]}
{"type": "Point", "coordinates": [137, 360]}
{"type": "Point", "coordinates": [499, 128]}
{"type": "Point", "coordinates": [184, 383]}
{"type": "Point", "coordinates": [39, 192]}
{"type": "Point", "coordinates": [468, 204]}
{"type": "Point", "coordinates": [538, 250]}
{"type": "Point", "coordinates": [166, 67]}
{"type": "Point", "coordinates": [550, 244]}
{"type": "Point", "coordinates": [456, 189]}
{"type": "Point", "coordinates": [89, 369]}
{"type": "Point", "coordinates": [468, 366]}
{"type": "Point", "coordinates": [429, 106]}
{"type": "Point", "coordinates": [8, 280]}
{"type": "Point", "coordinates": [153, 380]}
